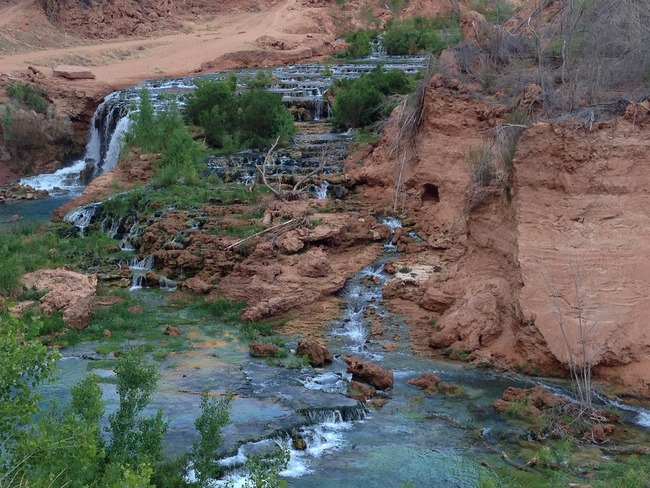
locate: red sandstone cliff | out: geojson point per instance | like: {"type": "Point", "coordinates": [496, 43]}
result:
{"type": "Point", "coordinates": [489, 280]}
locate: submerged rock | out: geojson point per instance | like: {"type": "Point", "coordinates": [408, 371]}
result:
{"type": "Point", "coordinates": [262, 350]}
{"type": "Point", "coordinates": [374, 375]}
{"type": "Point", "coordinates": [317, 353]}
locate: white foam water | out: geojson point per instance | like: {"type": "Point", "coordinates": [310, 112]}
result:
{"type": "Point", "coordinates": [139, 268]}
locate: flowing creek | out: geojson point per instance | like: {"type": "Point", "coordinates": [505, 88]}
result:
{"type": "Point", "coordinates": [427, 440]}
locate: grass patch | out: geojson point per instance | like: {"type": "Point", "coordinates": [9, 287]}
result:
{"type": "Point", "coordinates": [252, 331]}
{"type": "Point", "coordinates": [241, 231]}
{"type": "Point", "coordinates": [226, 311]}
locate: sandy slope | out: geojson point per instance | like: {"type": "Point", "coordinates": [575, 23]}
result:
{"type": "Point", "coordinates": [175, 54]}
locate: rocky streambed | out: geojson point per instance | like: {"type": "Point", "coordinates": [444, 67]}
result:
{"type": "Point", "coordinates": [402, 435]}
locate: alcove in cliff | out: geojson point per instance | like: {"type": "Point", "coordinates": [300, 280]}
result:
{"type": "Point", "coordinates": [430, 193]}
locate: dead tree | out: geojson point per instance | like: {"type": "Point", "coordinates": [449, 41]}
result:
{"type": "Point", "coordinates": [300, 188]}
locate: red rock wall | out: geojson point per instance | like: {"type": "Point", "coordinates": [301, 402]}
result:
{"type": "Point", "coordinates": [481, 284]}
{"type": "Point", "coordinates": [583, 218]}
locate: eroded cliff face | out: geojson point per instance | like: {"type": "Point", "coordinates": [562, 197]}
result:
{"type": "Point", "coordinates": [485, 282]}
{"type": "Point", "coordinates": [583, 221]}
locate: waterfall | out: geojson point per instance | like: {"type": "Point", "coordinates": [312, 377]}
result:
{"type": "Point", "coordinates": [320, 192]}
{"type": "Point", "coordinates": [82, 217]}
{"type": "Point", "coordinates": [107, 125]}
{"type": "Point", "coordinates": [139, 269]}
{"type": "Point", "coordinates": [318, 110]}
{"type": "Point", "coordinates": [125, 243]}
{"type": "Point", "coordinates": [363, 294]}
{"type": "Point", "coordinates": [167, 284]}
{"type": "Point", "coordinates": [326, 434]}
{"type": "Point", "coordinates": [378, 51]}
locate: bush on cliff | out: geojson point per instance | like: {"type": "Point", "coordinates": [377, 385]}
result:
{"type": "Point", "coordinates": [358, 44]}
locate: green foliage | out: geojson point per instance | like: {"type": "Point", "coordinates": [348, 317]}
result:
{"type": "Point", "coordinates": [28, 97]}
{"type": "Point", "coordinates": [360, 102]}
{"type": "Point", "coordinates": [66, 448]}
{"type": "Point", "coordinates": [232, 121]}
{"type": "Point", "coordinates": [136, 440]}
{"type": "Point", "coordinates": [263, 469]}
{"type": "Point", "coordinates": [226, 311]}
{"type": "Point", "coordinates": [25, 364]}
{"type": "Point", "coordinates": [254, 330]}
{"type": "Point", "coordinates": [358, 44]}
{"type": "Point", "coordinates": [165, 132]}
{"type": "Point", "coordinates": [412, 36]}
{"type": "Point", "coordinates": [214, 417]}
{"type": "Point", "coordinates": [632, 472]}
{"type": "Point", "coordinates": [262, 79]}
{"type": "Point", "coordinates": [497, 11]}
{"type": "Point", "coordinates": [517, 408]}
{"type": "Point", "coordinates": [49, 324]}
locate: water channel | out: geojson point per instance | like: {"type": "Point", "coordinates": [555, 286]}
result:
{"type": "Point", "coordinates": [413, 440]}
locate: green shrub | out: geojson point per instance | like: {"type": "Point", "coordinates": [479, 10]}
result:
{"type": "Point", "coordinates": [214, 417]}
{"type": "Point", "coordinates": [412, 36]}
{"type": "Point", "coordinates": [136, 440]}
{"type": "Point", "coordinates": [358, 44]}
{"type": "Point", "coordinates": [233, 121]}
{"type": "Point", "coordinates": [360, 102]}
{"type": "Point", "coordinates": [28, 97]}
{"type": "Point", "coordinates": [209, 94]}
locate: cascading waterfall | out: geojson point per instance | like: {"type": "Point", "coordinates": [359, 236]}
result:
{"type": "Point", "coordinates": [139, 269]}
{"type": "Point", "coordinates": [300, 85]}
{"type": "Point", "coordinates": [320, 192]}
{"type": "Point", "coordinates": [108, 124]}
{"type": "Point", "coordinates": [326, 434]}
{"type": "Point", "coordinates": [81, 217]}
{"type": "Point", "coordinates": [364, 292]}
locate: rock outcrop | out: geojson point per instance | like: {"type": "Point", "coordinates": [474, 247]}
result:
{"type": "Point", "coordinates": [317, 353]}
{"type": "Point", "coordinates": [488, 277]}
{"type": "Point", "coordinates": [73, 72]}
{"type": "Point", "coordinates": [67, 291]}
{"type": "Point", "coordinates": [376, 376]}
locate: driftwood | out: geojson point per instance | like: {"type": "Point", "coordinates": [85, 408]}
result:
{"type": "Point", "coordinates": [299, 189]}
{"type": "Point", "coordinates": [284, 226]}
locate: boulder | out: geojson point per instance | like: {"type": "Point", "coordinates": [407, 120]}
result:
{"type": "Point", "coordinates": [289, 242]}
{"type": "Point", "coordinates": [374, 375]}
{"type": "Point", "coordinates": [69, 292]}
{"type": "Point", "coordinates": [317, 353]}
{"type": "Point", "coordinates": [425, 381]}
{"type": "Point", "coordinates": [360, 392]}
{"type": "Point", "coordinates": [262, 350]}
{"type": "Point", "coordinates": [314, 264]}
{"type": "Point", "coordinates": [197, 285]}
{"type": "Point", "coordinates": [73, 72]}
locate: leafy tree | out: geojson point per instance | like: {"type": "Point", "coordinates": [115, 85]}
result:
{"type": "Point", "coordinates": [263, 118]}
{"type": "Point", "coordinates": [359, 43]}
{"type": "Point", "coordinates": [264, 469]}
{"type": "Point", "coordinates": [25, 364]}
{"type": "Point", "coordinates": [214, 417]}
{"type": "Point", "coordinates": [65, 449]}
{"type": "Point", "coordinates": [232, 121]}
{"type": "Point", "coordinates": [136, 440]}
{"type": "Point", "coordinates": [411, 36]}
